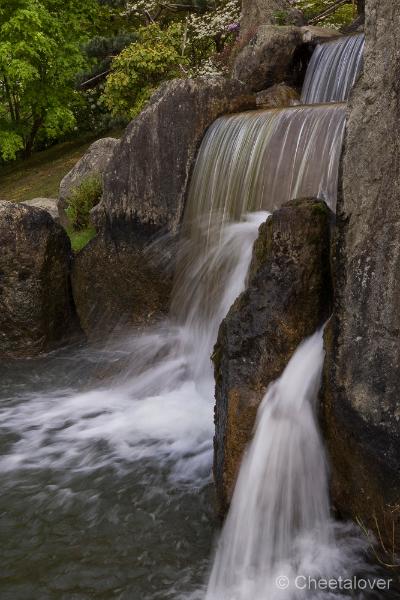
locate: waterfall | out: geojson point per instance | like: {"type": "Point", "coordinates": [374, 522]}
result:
{"type": "Point", "coordinates": [259, 160]}
{"type": "Point", "coordinates": [278, 531]}
{"type": "Point", "coordinates": [104, 463]}
{"type": "Point", "coordinates": [162, 401]}
{"type": "Point", "coordinates": [333, 70]}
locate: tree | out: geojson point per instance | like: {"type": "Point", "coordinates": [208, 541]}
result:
{"type": "Point", "coordinates": [185, 41]}
{"type": "Point", "coordinates": [142, 66]}
{"type": "Point", "coordinates": [341, 14]}
{"type": "Point", "coordinates": [40, 56]}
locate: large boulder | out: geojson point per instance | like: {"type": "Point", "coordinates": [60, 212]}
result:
{"type": "Point", "coordinates": [277, 55]}
{"type": "Point", "coordinates": [361, 398]}
{"type": "Point", "coordinates": [287, 299]}
{"type": "Point", "coordinates": [256, 12]}
{"type": "Point", "coordinates": [48, 204]}
{"type": "Point", "coordinates": [146, 181]}
{"type": "Point", "coordinates": [36, 310]}
{"type": "Point", "coordinates": [124, 277]}
{"type": "Point", "coordinates": [277, 96]}
{"type": "Point", "coordinates": [93, 163]}
{"type": "Point", "coordinates": [119, 285]}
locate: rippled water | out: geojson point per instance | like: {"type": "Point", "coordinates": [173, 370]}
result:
{"type": "Point", "coordinates": [106, 455]}
{"type": "Point", "coordinates": [80, 517]}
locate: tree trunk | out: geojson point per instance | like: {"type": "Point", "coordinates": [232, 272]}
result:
{"type": "Point", "coordinates": [30, 141]}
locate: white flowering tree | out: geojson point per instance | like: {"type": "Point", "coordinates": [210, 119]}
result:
{"type": "Point", "coordinates": [184, 39]}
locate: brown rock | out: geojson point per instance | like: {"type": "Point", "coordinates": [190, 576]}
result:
{"type": "Point", "coordinates": [288, 298]}
{"type": "Point", "coordinates": [263, 12]}
{"type": "Point", "coordinates": [48, 204]}
{"type": "Point", "coordinates": [93, 163]}
{"type": "Point", "coordinates": [276, 55]}
{"type": "Point", "coordinates": [36, 310]}
{"type": "Point", "coordinates": [277, 96]}
{"type": "Point", "coordinates": [118, 285]}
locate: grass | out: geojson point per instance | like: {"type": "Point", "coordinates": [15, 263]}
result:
{"type": "Point", "coordinates": [79, 239]}
{"type": "Point", "coordinates": [40, 175]}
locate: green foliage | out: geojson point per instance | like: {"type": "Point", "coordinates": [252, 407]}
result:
{"type": "Point", "coordinates": [55, 56]}
{"type": "Point", "coordinates": [344, 15]}
{"type": "Point", "coordinates": [142, 66]}
{"type": "Point", "coordinates": [80, 239]}
{"type": "Point", "coordinates": [40, 55]}
{"type": "Point", "coordinates": [83, 198]}
{"type": "Point", "coordinates": [281, 17]}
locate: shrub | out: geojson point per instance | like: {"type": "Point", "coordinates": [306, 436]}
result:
{"type": "Point", "coordinates": [82, 200]}
{"type": "Point", "coordinates": [142, 66]}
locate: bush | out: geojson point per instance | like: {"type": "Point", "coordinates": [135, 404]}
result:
{"type": "Point", "coordinates": [82, 200]}
{"type": "Point", "coordinates": [142, 66]}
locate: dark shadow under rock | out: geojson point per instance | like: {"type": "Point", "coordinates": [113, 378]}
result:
{"type": "Point", "coordinates": [117, 286]}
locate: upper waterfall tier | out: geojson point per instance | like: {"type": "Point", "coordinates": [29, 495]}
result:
{"type": "Point", "coordinates": [333, 70]}
{"type": "Point", "coordinates": [260, 160]}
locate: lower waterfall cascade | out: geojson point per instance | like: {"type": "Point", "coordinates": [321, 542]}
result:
{"type": "Point", "coordinates": [107, 452]}
{"type": "Point", "coordinates": [278, 533]}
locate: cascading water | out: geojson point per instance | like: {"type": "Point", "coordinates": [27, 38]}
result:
{"type": "Point", "coordinates": [259, 160]}
{"type": "Point", "coordinates": [333, 70]}
{"type": "Point", "coordinates": [105, 476]}
{"type": "Point", "coordinates": [278, 531]}
{"type": "Point", "coordinates": [100, 483]}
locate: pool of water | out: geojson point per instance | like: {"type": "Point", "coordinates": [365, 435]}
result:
{"type": "Point", "coordinates": [105, 482]}
{"type": "Point", "coordinates": [86, 511]}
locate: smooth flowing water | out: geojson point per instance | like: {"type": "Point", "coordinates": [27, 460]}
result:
{"type": "Point", "coordinates": [106, 454]}
{"type": "Point", "coordinates": [279, 527]}
{"type": "Point", "coordinates": [259, 160]}
{"type": "Point", "coordinates": [333, 70]}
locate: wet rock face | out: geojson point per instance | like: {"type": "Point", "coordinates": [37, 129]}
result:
{"type": "Point", "coordinates": [287, 299]}
{"type": "Point", "coordinates": [36, 311]}
{"type": "Point", "coordinates": [269, 58]}
{"type": "Point", "coordinates": [277, 96]}
{"type": "Point", "coordinates": [92, 163]}
{"type": "Point", "coordinates": [361, 399]}
{"type": "Point", "coordinates": [117, 286]}
{"type": "Point", "coordinates": [276, 55]}
{"type": "Point", "coordinates": [146, 181]}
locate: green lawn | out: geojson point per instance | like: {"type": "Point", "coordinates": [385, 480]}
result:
{"type": "Point", "coordinates": [40, 175]}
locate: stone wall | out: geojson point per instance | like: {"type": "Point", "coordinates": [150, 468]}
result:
{"type": "Point", "coordinates": [361, 397]}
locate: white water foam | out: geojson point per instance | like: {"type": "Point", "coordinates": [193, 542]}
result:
{"type": "Point", "coordinates": [279, 526]}
{"type": "Point", "coordinates": [163, 407]}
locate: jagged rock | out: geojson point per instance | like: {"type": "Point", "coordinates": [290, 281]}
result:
{"type": "Point", "coordinates": [92, 163]}
{"type": "Point", "coordinates": [277, 96]}
{"type": "Point", "coordinates": [269, 58]}
{"type": "Point", "coordinates": [256, 12]}
{"type": "Point", "coordinates": [120, 285]}
{"type": "Point", "coordinates": [278, 55]}
{"type": "Point", "coordinates": [146, 181]}
{"type": "Point", "coordinates": [48, 204]}
{"type": "Point", "coordinates": [287, 299]}
{"type": "Point", "coordinates": [36, 310]}
{"type": "Point", "coordinates": [313, 34]}
{"type": "Point", "coordinates": [361, 397]}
